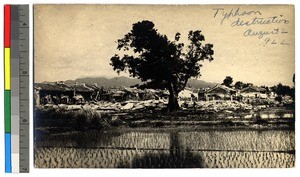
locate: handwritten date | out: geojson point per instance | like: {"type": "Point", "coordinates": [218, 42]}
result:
{"type": "Point", "coordinates": [269, 41]}
{"type": "Point", "coordinates": [260, 34]}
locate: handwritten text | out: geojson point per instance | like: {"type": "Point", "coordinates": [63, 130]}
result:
{"type": "Point", "coordinates": [233, 13]}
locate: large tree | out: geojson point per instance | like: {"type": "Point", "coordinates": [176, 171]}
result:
{"type": "Point", "coordinates": [159, 62]}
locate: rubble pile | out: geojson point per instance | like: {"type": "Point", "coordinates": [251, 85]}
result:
{"type": "Point", "coordinates": [130, 105]}
{"type": "Point", "coordinates": [221, 105]}
{"type": "Point", "coordinates": [205, 106]}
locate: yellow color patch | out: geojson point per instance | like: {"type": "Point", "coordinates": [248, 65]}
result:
{"type": "Point", "coordinates": [7, 68]}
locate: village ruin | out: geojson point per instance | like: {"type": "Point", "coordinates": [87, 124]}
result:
{"type": "Point", "coordinates": [104, 98]}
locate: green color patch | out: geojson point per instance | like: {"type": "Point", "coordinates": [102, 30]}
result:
{"type": "Point", "coordinates": [7, 111]}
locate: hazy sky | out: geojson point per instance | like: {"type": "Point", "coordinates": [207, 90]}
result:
{"type": "Point", "coordinates": [72, 41]}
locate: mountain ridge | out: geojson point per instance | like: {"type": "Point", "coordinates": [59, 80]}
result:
{"type": "Point", "coordinates": [127, 82]}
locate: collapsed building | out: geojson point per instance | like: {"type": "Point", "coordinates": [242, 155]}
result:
{"type": "Point", "coordinates": [52, 93]}
{"type": "Point", "coordinates": [63, 93]}
{"type": "Point", "coordinates": [66, 93]}
{"type": "Point", "coordinates": [254, 92]}
{"type": "Point", "coordinates": [219, 92]}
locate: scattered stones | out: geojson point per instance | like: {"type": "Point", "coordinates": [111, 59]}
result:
{"type": "Point", "coordinates": [208, 106]}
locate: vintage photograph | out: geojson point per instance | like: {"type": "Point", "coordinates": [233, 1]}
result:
{"type": "Point", "coordinates": [164, 86]}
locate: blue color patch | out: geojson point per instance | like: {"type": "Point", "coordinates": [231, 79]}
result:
{"type": "Point", "coordinates": [8, 168]}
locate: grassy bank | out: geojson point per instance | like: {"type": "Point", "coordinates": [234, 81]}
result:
{"type": "Point", "coordinates": [60, 119]}
{"type": "Point", "coordinates": [55, 120]}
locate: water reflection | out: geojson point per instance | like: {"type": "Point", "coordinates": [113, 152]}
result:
{"type": "Point", "coordinates": [177, 157]}
{"type": "Point", "coordinates": [277, 116]}
{"type": "Point", "coordinates": [174, 148]}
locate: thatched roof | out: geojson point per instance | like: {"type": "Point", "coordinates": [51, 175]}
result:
{"type": "Point", "coordinates": [220, 89]}
{"type": "Point", "coordinates": [81, 88]}
{"type": "Point", "coordinates": [61, 87]}
{"type": "Point", "coordinates": [131, 90]}
{"type": "Point", "coordinates": [253, 89]}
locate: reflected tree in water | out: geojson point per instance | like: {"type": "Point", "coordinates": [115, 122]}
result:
{"type": "Point", "coordinates": [176, 158]}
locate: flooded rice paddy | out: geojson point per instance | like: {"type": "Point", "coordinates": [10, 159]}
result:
{"type": "Point", "coordinates": [167, 148]}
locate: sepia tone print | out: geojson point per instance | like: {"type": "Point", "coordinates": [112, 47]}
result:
{"type": "Point", "coordinates": [164, 86]}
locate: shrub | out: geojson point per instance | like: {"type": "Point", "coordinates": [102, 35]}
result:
{"type": "Point", "coordinates": [87, 119]}
{"type": "Point", "coordinates": [83, 119]}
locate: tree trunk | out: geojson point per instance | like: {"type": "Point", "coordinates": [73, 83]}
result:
{"type": "Point", "coordinates": [173, 102]}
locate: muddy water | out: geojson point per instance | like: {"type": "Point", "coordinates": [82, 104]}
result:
{"type": "Point", "coordinates": [172, 148]}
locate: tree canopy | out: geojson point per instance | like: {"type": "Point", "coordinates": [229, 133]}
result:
{"type": "Point", "coordinates": [283, 90]}
{"type": "Point", "coordinates": [159, 62]}
{"type": "Point", "coordinates": [228, 81]}
{"type": "Point", "coordinates": [240, 85]}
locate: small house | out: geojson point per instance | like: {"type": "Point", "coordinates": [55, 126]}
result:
{"type": "Point", "coordinates": [254, 92]}
{"type": "Point", "coordinates": [220, 92]}
{"type": "Point", "coordinates": [52, 93]}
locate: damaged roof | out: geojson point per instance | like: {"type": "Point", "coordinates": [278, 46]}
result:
{"type": "Point", "coordinates": [62, 87]}
{"type": "Point", "coordinates": [220, 88]}
{"type": "Point", "coordinates": [253, 89]}
{"type": "Point", "coordinates": [53, 87]}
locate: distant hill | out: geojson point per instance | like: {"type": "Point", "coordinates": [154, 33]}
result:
{"type": "Point", "coordinates": [116, 81]}
{"type": "Point", "coordinates": [127, 82]}
{"type": "Point", "coordinates": [194, 83]}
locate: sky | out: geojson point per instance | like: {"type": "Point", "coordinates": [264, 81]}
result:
{"type": "Point", "coordinates": [73, 41]}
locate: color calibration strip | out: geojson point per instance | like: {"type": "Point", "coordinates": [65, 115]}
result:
{"type": "Point", "coordinates": [7, 91]}
{"type": "Point", "coordinates": [23, 80]}
{"type": "Point", "coordinates": [16, 88]}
